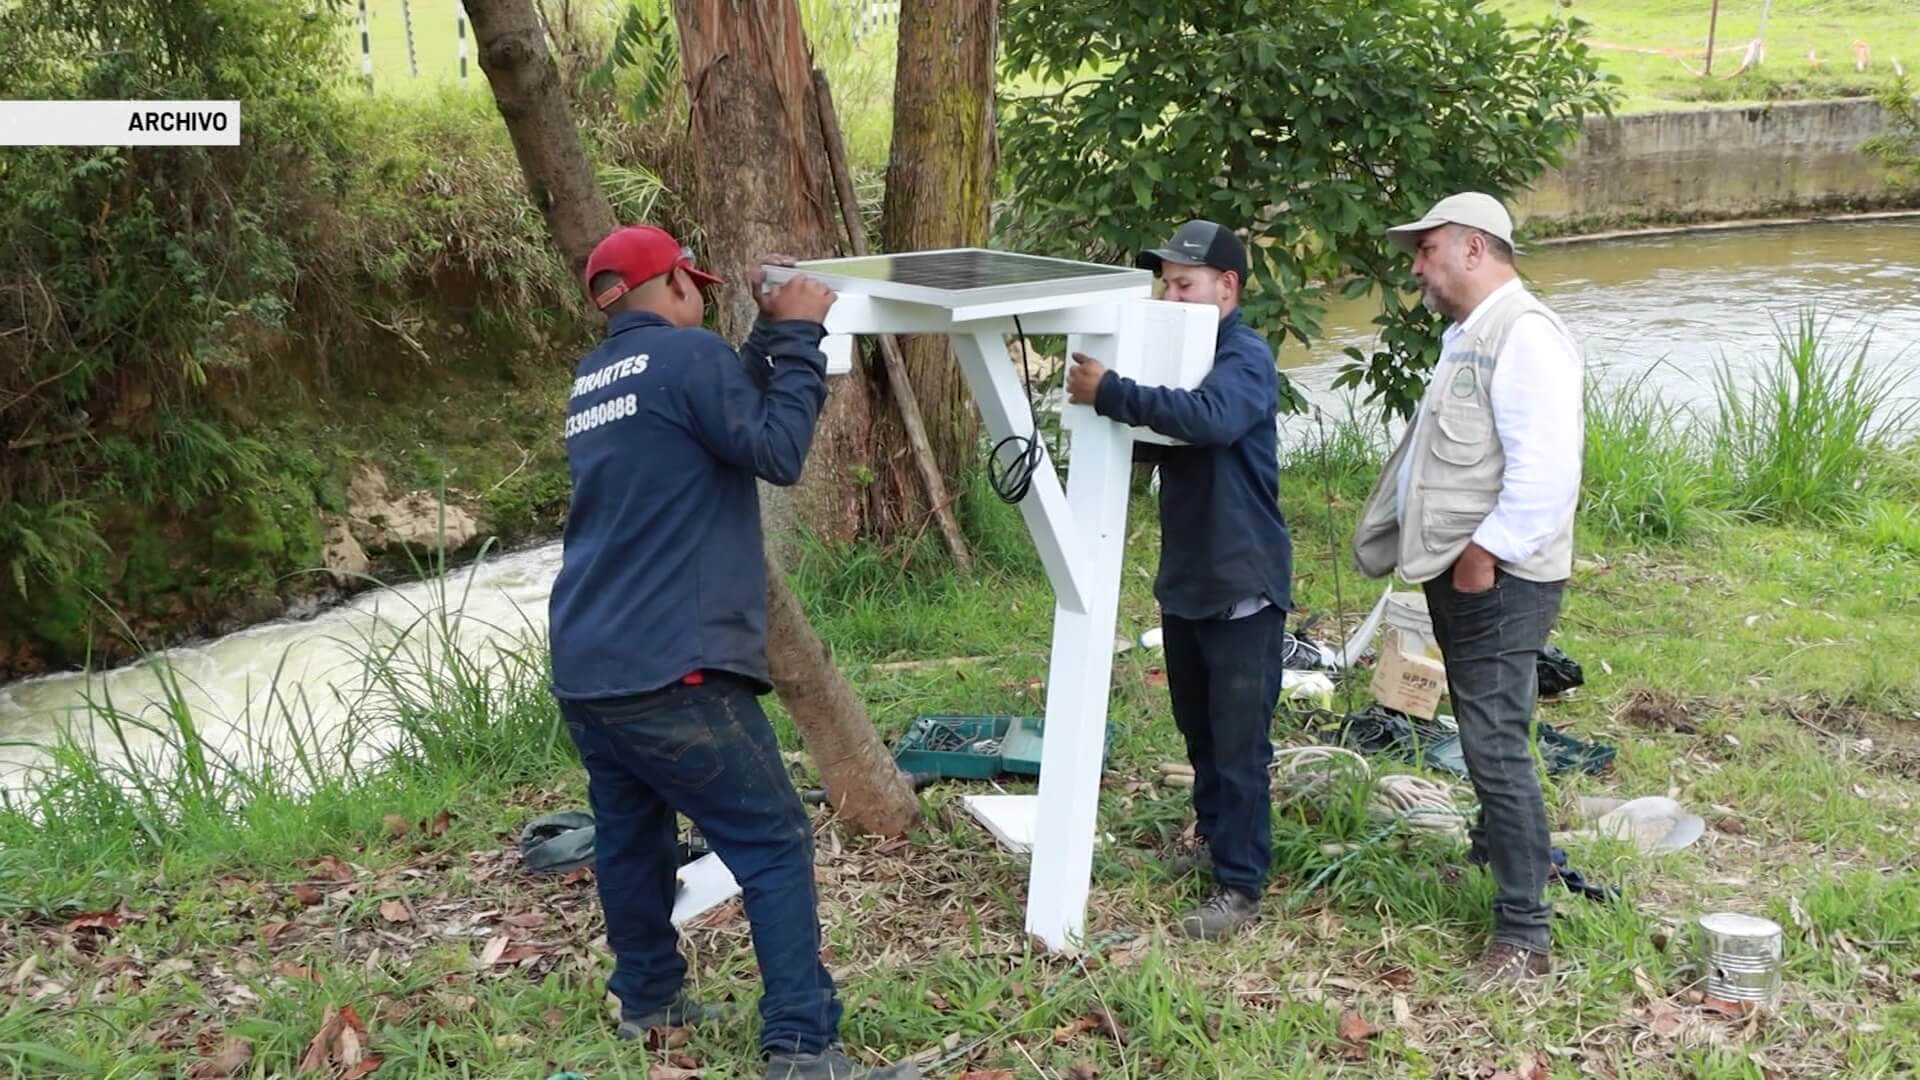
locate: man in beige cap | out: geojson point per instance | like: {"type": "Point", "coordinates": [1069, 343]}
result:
{"type": "Point", "coordinates": [1477, 505]}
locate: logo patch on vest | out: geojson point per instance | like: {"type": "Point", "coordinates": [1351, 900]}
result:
{"type": "Point", "coordinates": [1464, 381]}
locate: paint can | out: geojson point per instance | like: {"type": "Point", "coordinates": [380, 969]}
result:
{"type": "Point", "coordinates": [1741, 956]}
{"type": "Point", "coordinates": [1407, 613]}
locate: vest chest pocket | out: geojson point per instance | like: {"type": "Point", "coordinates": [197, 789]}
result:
{"type": "Point", "coordinates": [1460, 436]}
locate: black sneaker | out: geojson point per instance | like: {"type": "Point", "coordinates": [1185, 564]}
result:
{"type": "Point", "coordinates": [1224, 914]}
{"type": "Point", "coordinates": [680, 1012]}
{"type": "Point", "coordinates": [831, 1064]}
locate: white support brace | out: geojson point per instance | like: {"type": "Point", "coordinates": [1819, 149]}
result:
{"type": "Point", "coordinates": [1006, 411]}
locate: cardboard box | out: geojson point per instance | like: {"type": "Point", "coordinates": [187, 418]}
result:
{"type": "Point", "coordinates": [1406, 679]}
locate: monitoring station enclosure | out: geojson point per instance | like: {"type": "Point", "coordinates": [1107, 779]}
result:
{"type": "Point", "coordinates": [974, 297]}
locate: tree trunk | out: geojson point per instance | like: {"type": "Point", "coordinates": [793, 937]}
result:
{"type": "Point", "coordinates": [764, 188]}
{"type": "Point", "coordinates": [833, 720]}
{"type": "Point", "coordinates": [940, 194]}
{"type": "Point", "coordinates": [860, 777]}
{"type": "Point", "coordinates": [527, 89]}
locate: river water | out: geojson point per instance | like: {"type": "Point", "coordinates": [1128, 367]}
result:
{"type": "Point", "coordinates": [1677, 304]}
{"type": "Point", "coordinates": [1671, 306]}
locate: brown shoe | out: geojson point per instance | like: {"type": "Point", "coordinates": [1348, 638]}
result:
{"type": "Point", "coordinates": [1510, 965]}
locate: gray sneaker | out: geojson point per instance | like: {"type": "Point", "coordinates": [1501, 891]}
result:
{"type": "Point", "coordinates": [1225, 913]}
{"type": "Point", "coordinates": [680, 1012]}
{"type": "Point", "coordinates": [833, 1065]}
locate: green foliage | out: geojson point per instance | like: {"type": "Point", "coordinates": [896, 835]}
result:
{"type": "Point", "coordinates": [644, 44]}
{"type": "Point", "coordinates": [1892, 527]}
{"type": "Point", "coordinates": [1794, 440]}
{"type": "Point", "coordinates": [179, 327]}
{"type": "Point", "coordinates": [46, 541]}
{"type": "Point", "coordinates": [135, 276]}
{"type": "Point", "coordinates": [1899, 145]}
{"type": "Point", "coordinates": [1310, 126]}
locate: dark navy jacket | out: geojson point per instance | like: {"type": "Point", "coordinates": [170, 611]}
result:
{"type": "Point", "coordinates": [1222, 537]}
{"type": "Point", "coordinates": [661, 571]}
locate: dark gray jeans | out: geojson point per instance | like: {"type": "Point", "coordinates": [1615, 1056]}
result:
{"type": "Point", "coordinates": [1491, 642]}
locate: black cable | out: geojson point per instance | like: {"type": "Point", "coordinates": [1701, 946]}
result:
{"type": "Point", "coordinates": [1011, 474]}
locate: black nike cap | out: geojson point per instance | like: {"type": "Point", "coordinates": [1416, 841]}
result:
{"type": "Point", "coordinates": [1199, 243]}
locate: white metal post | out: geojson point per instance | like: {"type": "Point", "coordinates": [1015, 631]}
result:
{"type": "Point", "coordinates": [1079, 673]}
{"type": "Point", "coordinates": [366, 48]}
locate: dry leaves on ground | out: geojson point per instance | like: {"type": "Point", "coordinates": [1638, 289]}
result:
{"type": "Point", "coordinates": [395, 911]}
{"type": "Point", "coordinates": [105, 922]}
{"type": "Point", "coordinates": [1355, 1030]}
{"type": "Point", "coordinates": [230, 1062]}
{"type": "Point", "coordinates": [667, 1038]}
{"type": "Point", "coordinates": [332, 868]}
{"type": "Point", "coordinates": [340, 1044]}
{"type": "Point", "coordinates": [1099, 1020]}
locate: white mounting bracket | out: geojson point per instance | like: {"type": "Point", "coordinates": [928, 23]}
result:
{"type": "Point", "coordinates": [1080, 530]}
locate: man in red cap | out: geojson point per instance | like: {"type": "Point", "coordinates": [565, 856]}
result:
{"type": "Point", "coordinates": [658, 627]}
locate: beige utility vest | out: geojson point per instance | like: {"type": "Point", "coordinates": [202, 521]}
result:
{"type": "Point", "coordinates": [1457, 465]}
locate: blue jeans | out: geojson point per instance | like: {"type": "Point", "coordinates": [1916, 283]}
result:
{"type": "Point", "coordinates": [708, 752]}
{"type": "Point", "coordinates": [1224, 677]}
{"type": "Point", "coordinates": [1491, 643]}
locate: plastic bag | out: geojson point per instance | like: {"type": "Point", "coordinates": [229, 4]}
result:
{"type": "Point", "coordinates": [1559, 672]}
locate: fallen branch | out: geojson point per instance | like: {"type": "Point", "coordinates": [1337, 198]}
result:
{"type": "Point", "coordinates": [923, 665]}
{"type": "Point", "coordinates": [525, 456]}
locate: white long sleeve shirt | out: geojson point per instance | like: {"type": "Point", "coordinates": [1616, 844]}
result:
{"type": "Point", "coordinates": [1536, 394]}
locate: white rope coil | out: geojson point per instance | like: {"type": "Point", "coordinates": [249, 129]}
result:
{"type": "Point", "coordinates": [1415, 801]}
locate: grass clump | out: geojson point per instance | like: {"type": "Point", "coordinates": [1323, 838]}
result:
{"type": "Point", "coordinates": [1643, 476]}
{"type": "Point", "coordinates": [1793, 440]}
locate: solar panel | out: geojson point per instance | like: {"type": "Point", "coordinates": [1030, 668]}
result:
{"type": "Point", "coordinates": [963, 277]}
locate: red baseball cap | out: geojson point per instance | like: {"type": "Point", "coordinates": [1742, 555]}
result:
{"type": "Point", "coordinates": [640, 253]}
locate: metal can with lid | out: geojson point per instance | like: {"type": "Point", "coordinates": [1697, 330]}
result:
{"type": "Point", "coordinates": [1741, 955]}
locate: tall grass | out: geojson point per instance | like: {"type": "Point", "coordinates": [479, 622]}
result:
{"type": "Point", "coordinates": [1643, 475]}
{"type": "Point", "coordinates": [1341, 453]}
{"type": "Point", "coordinates": [1795, 440]}
{"type": "Point", "coordinates": [1808, 437]}
{"type": "Point", "coordinates": [1817, 434]}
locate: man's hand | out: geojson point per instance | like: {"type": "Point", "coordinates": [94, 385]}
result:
{"type": "Point", "coordinates": [1473, 570]}
{"type": "Point", "coordinates": [1083, 379]}
{"type": "Point", "coordinates": [803, 298]}
{"type": "Point", "coordinates": [757, 282]}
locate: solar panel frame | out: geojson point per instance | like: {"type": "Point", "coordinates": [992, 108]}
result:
{"type": "Point", "coordinates": [1075, 278]}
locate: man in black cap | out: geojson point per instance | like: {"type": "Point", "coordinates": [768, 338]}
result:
{"type": "Point", "coordinates": [1226, 564]}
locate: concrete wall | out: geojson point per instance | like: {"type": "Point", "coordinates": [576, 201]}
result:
{"type": "Point", "coordinates": [1717, 163]}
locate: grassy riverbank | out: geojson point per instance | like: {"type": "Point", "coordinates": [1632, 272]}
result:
{"type": "Point", "coordinates": [1748, 653]}
{"type": "Point", "coordinates": [1657, 48]}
